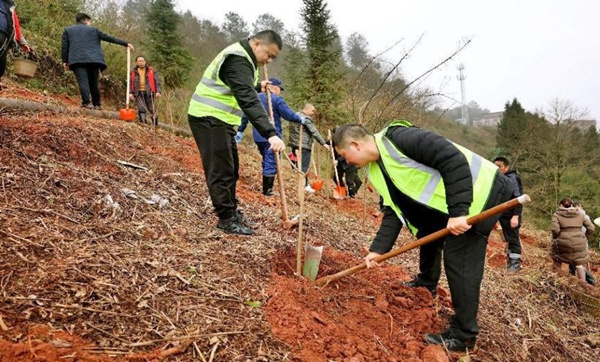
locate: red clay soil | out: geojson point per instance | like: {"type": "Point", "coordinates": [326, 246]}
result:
{"type": "Point", "coordinates": [366, 317]}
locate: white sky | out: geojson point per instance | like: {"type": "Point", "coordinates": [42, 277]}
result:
{"type": "Point", "coordinates": [534, 50]}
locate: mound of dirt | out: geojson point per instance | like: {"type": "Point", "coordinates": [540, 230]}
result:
{"type": "Point", "coordinates": [367, 317]}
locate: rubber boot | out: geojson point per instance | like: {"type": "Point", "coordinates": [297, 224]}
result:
{"type": "Point", "coordinates": [514, 263]}
{"type": "Point", "coordinates": [268, 182]}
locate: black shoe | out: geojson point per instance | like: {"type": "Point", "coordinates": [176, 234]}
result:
{"type": "Point", "coordinates": [416, 284]}
{"type": "Point", "coordinates": [446, 339]}
{"type": "Point", "coordinates": [514, 265]}
{"type": "Point", "coordinates": [232, 226]}
{"type": "Point", "coordinates": [242, 219]}
{"type": "Point", "coordinates": [268, 182]}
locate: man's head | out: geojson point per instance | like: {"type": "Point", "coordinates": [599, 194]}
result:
{"type": "Point", "coordinates": [83, 18]}
{"type": "Point", "coordinates": [309, 110]}
{"type": "Point", "coordinates": [503, 164]}
{"type": "Point", "coordinates": [355, 144]}
{"type": "Point", "coordinates": [140, 61]}
{"type": "Point", "coordinates": [276, 86]}
{"type": "Point", "coordinates": [266, 46]}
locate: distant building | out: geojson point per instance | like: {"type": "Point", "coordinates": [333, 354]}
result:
{"type": "Point", "coordinates": [583, 124]}
{"type": "Point", "coordinates": [490, 119]}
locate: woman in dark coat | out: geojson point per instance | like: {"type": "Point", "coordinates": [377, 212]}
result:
{"type": "Point", "coordinates": [569, 242]}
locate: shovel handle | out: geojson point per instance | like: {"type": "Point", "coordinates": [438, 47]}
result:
{"type": "Point", "coordinates": [284, 209]}
{"type": "Point", "coordinates": [128, 78]}
{"type": "Point", "coordinates": [499, 209]}
{"type": "Point", "coordinates": [337, 177]}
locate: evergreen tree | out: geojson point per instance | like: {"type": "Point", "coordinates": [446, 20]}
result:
{"type": "Point", "coordinates": [166, 49]}
{"type": "Point", "coordinates": [325, 80]}
{"type": "Point", "coordinates": [357, 51]}
{"type": "Point", "coordinates": [235, 27]}
{"type": "Point", "coordinates": [512, 127]}
{"type": "Point", "coordinates": [267, 21]}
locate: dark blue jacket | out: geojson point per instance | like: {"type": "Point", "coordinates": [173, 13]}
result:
{"type": "Point", "coordinates": [280, 110]}
{"type": "Point", "coordinates": [81, 45]}
{"type": "Point", "coordinates": [5, 19]}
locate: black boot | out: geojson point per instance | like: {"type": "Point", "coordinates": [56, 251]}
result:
{"type": "Point", "coordinates": [268, 182]}
{"type": "Point", "coordinates": [242, 219]}
{"type": "Point", "coordinates": [233, 226]}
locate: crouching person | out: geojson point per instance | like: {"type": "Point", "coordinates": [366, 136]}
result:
{"type": "Point", "coordinates": [428, 183]}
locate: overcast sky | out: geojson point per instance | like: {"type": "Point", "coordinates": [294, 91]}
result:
{"type": "Point", "coordinates": [535, 50]}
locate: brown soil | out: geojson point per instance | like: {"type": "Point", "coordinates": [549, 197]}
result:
{"type": "Point", "coordinates": [367, 317]}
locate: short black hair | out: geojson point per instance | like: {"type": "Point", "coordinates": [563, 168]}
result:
{"type": "Point", "coordinates": [269, 37]}
{"type": "Point", "coordinates": [140, 56]}
{"type": "Point", "coordinates": [504, 160]}
{"type": "Point", "coordinates": [82, 17]}
{"type": "Point", "coordinates": [344, 134]}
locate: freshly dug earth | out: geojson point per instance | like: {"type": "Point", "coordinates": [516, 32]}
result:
{"type": "Point", "coordinates": [367, 317]}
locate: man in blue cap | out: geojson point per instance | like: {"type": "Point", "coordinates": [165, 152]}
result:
{"type": "Point", "coordinates": [280, 110]}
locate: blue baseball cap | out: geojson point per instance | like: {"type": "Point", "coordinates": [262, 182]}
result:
{"type": "Point", "coordinates": [277, 82]}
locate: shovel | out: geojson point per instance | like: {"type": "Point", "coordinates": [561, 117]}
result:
{"type": "Point", "coordinates": [317, 184]}
{"type": "Point", "coordinates": [287, 223]}
{"type": "Point", "coordinates": [499, 209]}
{"type": "Point", "coordinates": [127, 115]}
{"type": "Point", "coordinates": [339, 192]}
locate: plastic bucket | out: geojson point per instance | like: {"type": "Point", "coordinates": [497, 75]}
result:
{"type": "Point", "coordinates": [24, 68]}
{"type": "Point", "coordinates": [127, 115]}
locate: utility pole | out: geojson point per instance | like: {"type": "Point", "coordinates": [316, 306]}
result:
{"type": "Point", "coordinates": [464, 109]}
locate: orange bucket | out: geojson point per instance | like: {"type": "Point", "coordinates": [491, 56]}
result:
{"type": "Point", "coordinates": [317, 185]}
{"type": "Point", "coordinates": [127, 115]}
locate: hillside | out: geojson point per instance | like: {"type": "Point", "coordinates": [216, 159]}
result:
{"type": "Point", "coordinates": [93, 268]}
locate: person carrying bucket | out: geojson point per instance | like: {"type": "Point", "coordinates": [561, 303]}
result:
{"type": "Point", "coordinates": [429, 183]}
{"type": "Point", "coordinates": [280, 110]}
{"type": "Point", "coordinates": [310, 133]}
{"type": "Point", "coordinates": [145, 88]}
{"type": "Point", "coordinates": [10, 32]}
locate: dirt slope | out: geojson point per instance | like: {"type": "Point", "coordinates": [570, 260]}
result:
{"type": "Point", "coordinates": [90, 273]}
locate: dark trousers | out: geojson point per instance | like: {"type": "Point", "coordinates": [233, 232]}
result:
{"type": "Point", "coordinates": [4, 47]}
{"type": "Point", "coordinates": [511, 235]}
{"type": "Point", "coordinates": [87, 77]}
{"type": "Point", "coordinates": [306, 154]}
{"type": "Point", "coordinates": [145, 106]}
{"type": "Point", "coordinates": [219, 153]}
{"type": "Point", "coordinates": [350, 174]}
{"type": "Point", "coordinates": [430, 262]}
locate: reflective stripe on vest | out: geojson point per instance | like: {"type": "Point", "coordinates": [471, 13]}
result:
{"type": "Point", "coordinates": [213, 97]}
{"type": "Point", "coordinates": [423, 183]}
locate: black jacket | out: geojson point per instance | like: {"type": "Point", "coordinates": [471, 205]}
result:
{"type": "Point", "coordinates": [81, 45]}
{"type": "Point", "coordinates": [436, 152]}
{"type": "Point", "coordinates": [238, 74]}
{"type": "Point", "coordinates": [517, 188]}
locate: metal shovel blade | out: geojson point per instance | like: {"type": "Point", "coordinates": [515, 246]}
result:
{"type": "Point", "coordinates": [339, 192]}
{"type": "Point", "coordinates": [312, 259]}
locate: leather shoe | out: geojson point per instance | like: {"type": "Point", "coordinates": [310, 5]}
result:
{"type": "Point", "coordinates": [415, 284]}
{"type": "Point", "coordinates": [233, 226]}
{"type": "Point", "coordinates": [452, 343]}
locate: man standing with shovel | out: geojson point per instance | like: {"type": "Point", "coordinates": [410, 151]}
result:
{"type": "Point", "coordinates": [428, 183]}
{"type": "Point", "coordinates": [227, 91]}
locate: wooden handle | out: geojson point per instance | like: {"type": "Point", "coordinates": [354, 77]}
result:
{"type": "Point", "coordinates": [337, 176]}
{"type": "Point", "coordinates": [284, 209]}
{"type": "Point", "coordinates": [499, 209]}
{"type": "Point", "coordinates": [128, 78]}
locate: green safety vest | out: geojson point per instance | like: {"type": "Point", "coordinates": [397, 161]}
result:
{"type": "Point", "coordinates": [213, 97]}
{"type": "Point", "coordinates": [422, 183]}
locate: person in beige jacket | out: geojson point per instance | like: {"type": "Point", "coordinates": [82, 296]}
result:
{"type": "Point", "coordinates": [569, 242]}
